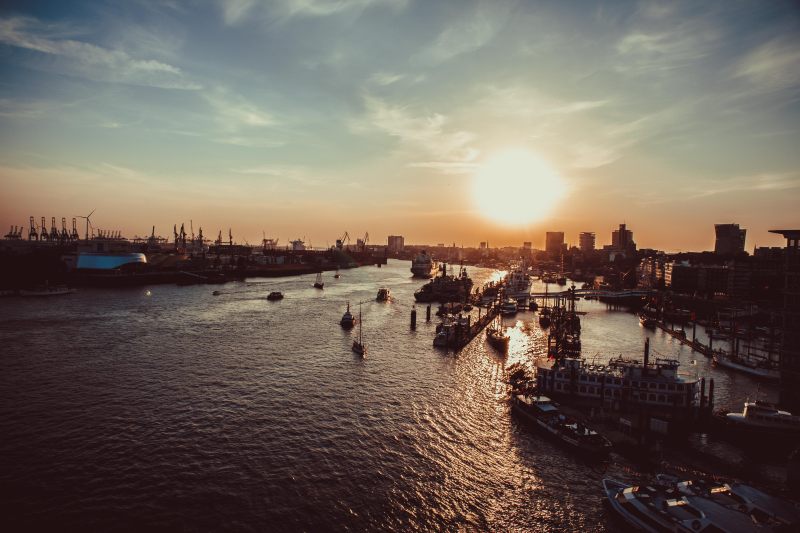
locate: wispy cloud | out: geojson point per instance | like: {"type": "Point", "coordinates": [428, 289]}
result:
{"type": "Point", "coordinates": [772, 66]}
{"type": "Point", "coordinates": [763, 182]}
{"type": "Point", "coordinates": [234, 111]}
{"type": "Point", "coordinates": [425, 135]}
{"type": "Point", "coordinates": [90, 60]}
{"type": "Point", "coordinates": [236, 11]}
{"type": "Point", "coordinates": [385, 78]}
{"type": "Point", "coordinates": [472, 30]}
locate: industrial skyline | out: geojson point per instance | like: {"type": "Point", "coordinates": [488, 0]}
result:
{"type": "Point", "coordinates": [442, 122]}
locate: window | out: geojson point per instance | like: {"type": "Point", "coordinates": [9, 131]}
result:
{"type": "Point", "coordinates": [672, 387]}
{"type": "Point", "coordinates": [662, 398]}
{"type": "Point", "coordinates": [661, 386]}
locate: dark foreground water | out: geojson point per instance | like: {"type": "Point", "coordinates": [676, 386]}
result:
{"type": "Point", "coordinates": [171, 409]}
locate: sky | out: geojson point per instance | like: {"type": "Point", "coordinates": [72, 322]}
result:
{"type": "Point", "coordinates": [309, 118]}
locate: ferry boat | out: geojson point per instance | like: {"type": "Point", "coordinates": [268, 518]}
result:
{"type": "Point", "coordinates": [274, 295]}
{"type": "Point", "coordinates": [547, 417]}
{"type": "Point", "coordinates": [422, 265]}
{"type": "Point", "coordinates": [384, 295]}
{"type": "Point", "coordinates": [446, 287]}
{"type": "Point", "coordinates": [508, 307]}
{"type": "Point", "coordinates": [318, 284]}
{"type": "Point", "coordinates": [674, 508]}
{"type": "Point", "coordinates": [47, 291]}
{"type": "Point", "coordinates": [762, 368]}
{"type": "Point", "coordinates": [348, 320]}
{"type": "Point", "coordinates": [496, 336]}
{"type": "Point", "coordinates": [518, 283]}
{"type": "Point", "coordinates": [623, 384]}
{"type": "Point", "coordinates": [763, 419]}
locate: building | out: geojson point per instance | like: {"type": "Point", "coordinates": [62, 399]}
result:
{"type": "Point", "coordinates": [396, 243]}
{"type": "Point", "coordinates": [586, 241]}
{"type": "Point", "coordinates": [651, 272]}
{"type": "Point", "coordinates": [622, 240]}
{"type": "Point", "coordinates": [554, 243]}
{"type": "Point", "coordinates": [730, 239]}
{"type": "Point", "coordinates": [790, 344]}
{"type": "Point", "coordinates": [680, 276]}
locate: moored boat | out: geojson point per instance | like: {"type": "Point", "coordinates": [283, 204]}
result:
{"type": "Point", "coordinates": [763, 420]}
{"type": "Point", "coordinates": [446, 287]}
{"type": "Point", "coordinates": [508, 307]}
{"type": "Point", "coordinates": [47, 291]}
{"type": "Point", "coordinates": [647, 321]}
{"type": "Point", "coordinates": [546, 416]}
{"type": "Point", "coordinates": [758, 368]}
{"type": "Point", "coordinates": [496, 336]}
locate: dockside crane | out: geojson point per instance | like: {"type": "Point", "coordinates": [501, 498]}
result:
{"type": "Point", "coordinates": [64, 232]}
{"type": "Point", "coordinates": [74, 235]}
{"type": "Point", "coordinates": [32, 234]}
{"type": "Point", "coordinates": [43, 235]}
{"type": "Point", "coordinates": [340, 243]}
{"type": "Point", "coordinates": [54, 235]}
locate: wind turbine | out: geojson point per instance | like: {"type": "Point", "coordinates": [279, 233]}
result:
{"type": "Point", "coordinates": [88, 222]}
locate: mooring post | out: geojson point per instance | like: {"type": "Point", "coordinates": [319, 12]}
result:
{"type": "Point", "coordinates": [414, 317]}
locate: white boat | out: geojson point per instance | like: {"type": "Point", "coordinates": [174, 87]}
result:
{"type": "Point", "coordinates": [508, 307]}
{"type": "Point", "coordinates": [760, 369]}
{"type": "Point", "coordinates": [358, 345]}
{"type": "Point", "coordinates": [765, 419]}
{"type": "Point", "coordinates": [422, 265]}
{"type": "Point", "coordinates": [518, 283]}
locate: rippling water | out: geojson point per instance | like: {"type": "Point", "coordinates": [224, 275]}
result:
{"type": "Point", "coordinates": [169, 408]}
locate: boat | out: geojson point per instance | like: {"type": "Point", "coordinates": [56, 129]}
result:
{"type": "Point", "coordinates": [546, 416]}
{"type": "Point", "coordinates": [422, 265]}
{"type": "Point", "coordinates": [384, 295]}
{"type": "Point", "coordinates": [275, 295]}
{"type": "Point", "coordinates": [522, 304]}
{"type": "Point", "coordinates": [647, 321]}
{"type": "Point", "coordinates": [446, 287]}
{"type": "Point", "coordinates": [533, 306]}
{"type": "Point", "coordinates": [544, 317]}
{"type": "Point", "coordinates": [518, 282]}
{"type": "Point", "coordinates": [348, 320]}
{"type": "Point", "coordinates": [670, 508]}
{"type": "Point", "coordinates": [318, 284]}
{"type": "Point", "coordinates": [763, 419]}
{"type": "Point", "coordinates": [450, 330]}
{"type": "Point", "coordinates": [216, 293]}
{"type": "Point", "coordinates": [47, 291]}
{"type": "Point", "coordinates": [508, 307]}
{"type": "Point", "coordinates": [337, 275]}
{"type": "Point", "coordinates": [561, 280]}
{"type": "Point", "coordinates": [358, 345]}
{"type": "Point", "coordinates": [762, 368]}
{"type": "Point", "coordinates": [496, 336]}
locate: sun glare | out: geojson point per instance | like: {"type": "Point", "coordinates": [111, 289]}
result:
{"type": "Point", "coordinates": [516, 187]}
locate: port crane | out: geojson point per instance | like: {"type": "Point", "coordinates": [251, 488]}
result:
{"type": "Point", "coordinates": [32, 234]}
{"type": "Point", "coordinates": [340, 243]}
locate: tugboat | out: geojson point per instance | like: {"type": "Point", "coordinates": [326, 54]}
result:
{"type": "Point", "coordinates": [496, 336]}
{"type": "Point", "coordinates": [422, 265]}
{"type": "Point", "coordinates": [383, 295]}
{"type": "Point", "coordinates": [545, 415]}
{"type": "Point", "coordinates": [508, 307]}
{"type": "Point", "coordinates": [446, 288]}
{"type": "Point", "coordinates": [358, 344]}
{"type": "Point", "coordinates": [318, 284]}
{"type": "Point", "coordinates": [348, 320]}
{"type": "Point", "coordinates": [275, 295]}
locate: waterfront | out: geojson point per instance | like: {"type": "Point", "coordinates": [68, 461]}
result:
{"type": "Point", "coordinates": [167, 407]}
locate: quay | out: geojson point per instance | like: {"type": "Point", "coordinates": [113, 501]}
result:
{"type": "Point", "coordinates": [457, 332]}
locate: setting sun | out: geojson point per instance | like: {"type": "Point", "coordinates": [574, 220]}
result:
{"type": "Point", "coordinates": [516, 187]}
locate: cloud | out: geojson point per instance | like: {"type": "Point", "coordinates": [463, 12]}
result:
{"type": "Point", "coordinates": [467, 33]}
{"type": "Point", "coordinates": [89, 60]}
{"type": "Point", "coordinates": [234, 111]}
{"type": "Point", "coordinates": [773, 66]}
{"type": "Point", "coordinates": [425, 135]}
{"type": "Point", "coordinates": [762, 182]}
{"type": "Point", "coordinates": [385, 78]}
{"type": "Point", "coordinates": [237, 11]}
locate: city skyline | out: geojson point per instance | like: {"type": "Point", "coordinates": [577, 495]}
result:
{"type": "Point", "coordinates": [309, 119]}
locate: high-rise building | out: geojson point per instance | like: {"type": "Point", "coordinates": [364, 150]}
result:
{"type": "Point", "coordinates": [622, 239]}
{"type": "Point", "coordinates": [790, 342]}
{"type": "Point", "coordinates": [396, 243]}
{"type": "Point", "coordinates": [730, 239]}
{"type": "Point", "coordinates": [554, 242]}
{"type": "Point", "coordinates": [586, 241]}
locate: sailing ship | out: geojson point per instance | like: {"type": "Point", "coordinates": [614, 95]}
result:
{"type": "Point", "coordinates": [358, 344]}
{"type": "Point", "coordinates": [318, 284]}
{"type": "Point", "coordinates": [760, 368]}
{"type": "Point", "coordinates": [337, 275]}
{"type": "Point", "coordinates": [348, 320]}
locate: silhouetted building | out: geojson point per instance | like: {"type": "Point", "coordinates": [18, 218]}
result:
{"type": "Point", "coordinates": [554, 243]}
{"type": "Point", "coordinates": [586, 241]}
{"type": "Point", "coordinates": [790, 344]}
{"type": "Point", "coordinates": [680, 276]}
{"type": "Point", "coordinates": [396, 243]}
{"type": "Point", "coordinates": [730, 239]}
{"type": "Point", "coordinates": [622, 239]}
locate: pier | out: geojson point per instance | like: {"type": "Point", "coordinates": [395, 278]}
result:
{"type": "Point", "coordinates": [454, 333]}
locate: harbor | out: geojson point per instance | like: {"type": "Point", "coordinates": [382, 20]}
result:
{"type": "Point", "coordinates": [409, 406]}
